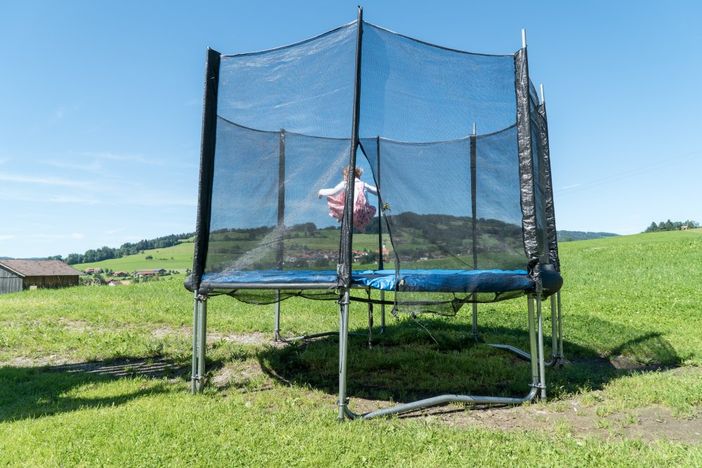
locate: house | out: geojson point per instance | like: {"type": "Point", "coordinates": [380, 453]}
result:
{"type": "Point", "coordinates": [149, 273]}
{"type": "Point", "coordinates": [16, 275]}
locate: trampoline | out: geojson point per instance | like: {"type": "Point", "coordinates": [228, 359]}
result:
{"type": "Point", "coordinates": [364, 165]}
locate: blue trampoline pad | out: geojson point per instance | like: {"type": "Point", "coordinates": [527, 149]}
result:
{"type": "Point", "coordinates": [386, 280]}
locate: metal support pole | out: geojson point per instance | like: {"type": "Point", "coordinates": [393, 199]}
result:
{"type": "Point", "coordinates": [554, 330]}
{"type": "Point", "coordinates": [542, 366]}
{"type": "Point", "coordinates": [474, 324]}
{"type": "Point", "coordinates": [199, 343]}
{"type": "Point", "coordinates": [196, 334]}
{"type": "Point", "coordinates": [276, 325]}
{"type": "Point", "coordinates": [343, 348]}
{"type": "Point", "coordinates": [382, 312]}
{"type": "Point", "coordinates": [560, 327]}
{"type": "Point", "coordinates": [533, 352]}
{"type": "Point", "coordinates": [370, 322]}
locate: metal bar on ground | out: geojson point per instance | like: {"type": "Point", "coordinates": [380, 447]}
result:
{"type": "Point", "coordinates": [513, 349]}
{"type": "Point", "coordinates": [450, 398]}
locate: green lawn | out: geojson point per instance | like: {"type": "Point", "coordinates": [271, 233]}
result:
{"type": "Point", "coordinates": [99, 375]}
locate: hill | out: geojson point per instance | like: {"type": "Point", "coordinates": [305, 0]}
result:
{"type": "Point", "coordinates": [419, 237]}
{"type": "Point", "coordinates": [178, 257]}
{"type": "Point", "coordinates": [567, 236]}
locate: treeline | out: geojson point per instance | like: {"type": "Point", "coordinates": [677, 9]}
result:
{"type": "Point", "coordinates": [129, 248]}
{"type": "Point", "coordinates": [672, 226]}
{"type": "Point", "coordinates": [567, 236]}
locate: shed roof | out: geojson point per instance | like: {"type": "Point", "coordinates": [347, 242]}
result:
{"type": "Point", "coordinates": [39, 268]}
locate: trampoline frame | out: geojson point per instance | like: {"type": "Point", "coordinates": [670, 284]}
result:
{"type": "Point", "coordinates": [536, 356]}
{"type": "Point", "coordinates": [343, 286]}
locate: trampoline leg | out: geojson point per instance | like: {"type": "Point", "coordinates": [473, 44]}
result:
{"type": "Point", "coordinates": [276, 324]}
{"type": "Point", "coordinates": [370, 323]}
{"type": "Point", "coordinates": [542, 366]}
{"type": "Point", "coordinates": [196, 330]}
{"type": "Point", "coordinates": [343, 347]}
{"type": "Point", "coordinates": [382, 312]}
{"type": "Point", "coordinates": [474, 324]}
{"type": "Point", "coordinates": [560, 327]}
{"type": "Point", "coordinates": [199, 343]}
{"type": "Point", "coordinates": [554, 332]}
{"type": "Point", "coordinates": [533, 353]}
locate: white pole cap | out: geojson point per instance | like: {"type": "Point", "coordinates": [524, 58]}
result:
{"type": "Point", "coordinates": [541, 89]}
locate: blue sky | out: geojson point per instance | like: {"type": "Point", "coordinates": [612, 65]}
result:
{"type": "Point", "coordinates": [100, 105]}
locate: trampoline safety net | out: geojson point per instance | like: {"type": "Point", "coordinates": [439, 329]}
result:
{"type": "Point", "coordinates": [449, 148]}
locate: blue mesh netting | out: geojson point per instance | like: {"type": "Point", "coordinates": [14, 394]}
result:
{"type": "Point", "coordinates": [416, 92]}
{"type": "Point", "coordinates": [283, 133]}
{"type": "Point", "coordinates": [305, 88]}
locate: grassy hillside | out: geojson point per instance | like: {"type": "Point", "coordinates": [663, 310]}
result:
{"type": "Point", "coordinates": [178, 257]}
{"type": "Point", "coordinates": [98, 375]}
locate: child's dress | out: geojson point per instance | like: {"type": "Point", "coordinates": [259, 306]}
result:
{"type": "Point", "coordinates": [363, 211]}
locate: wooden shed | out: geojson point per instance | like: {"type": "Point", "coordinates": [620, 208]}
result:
{"type": "Point", "coordinates": [16, 275]}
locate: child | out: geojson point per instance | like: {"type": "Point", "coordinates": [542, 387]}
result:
{"type": "Point", "coordinates": [363, 211]}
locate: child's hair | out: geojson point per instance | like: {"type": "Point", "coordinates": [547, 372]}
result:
{"type": "Point", "coordinates": [357, 171]}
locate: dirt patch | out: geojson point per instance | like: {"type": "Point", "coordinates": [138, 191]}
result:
{"type": "Point", "coordinates": [76, 325]}
{"type": "Point", "coordinates": [576, 420]}
{"type": "Point", "coordinates": [251, 339]}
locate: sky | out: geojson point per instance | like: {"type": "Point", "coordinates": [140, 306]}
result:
{"type": "Point", "coordinates": [101, 105]}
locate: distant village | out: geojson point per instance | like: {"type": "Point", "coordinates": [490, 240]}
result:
{"type": "Point", "coordinates": [107, 277]}
{"type": "Point", "coordinates": [19, 275]}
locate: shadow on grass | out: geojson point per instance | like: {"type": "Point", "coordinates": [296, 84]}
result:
{"type": "Point", "coordinates": [32, 392]}
{"type": "Point", "coordinates": [408, 362]}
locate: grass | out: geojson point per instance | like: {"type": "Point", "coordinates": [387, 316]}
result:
{"type": "Point", "coordinates": [631, 321]}
{"type": "Point", "coordinates": [177, 257]}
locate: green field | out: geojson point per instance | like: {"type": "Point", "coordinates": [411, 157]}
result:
{"type": "Point", "coordinates": [179, 257]}
{"type": "Point", "coordinates": [100, 376]}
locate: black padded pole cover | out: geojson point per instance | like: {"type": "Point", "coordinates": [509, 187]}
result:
{"type": "Point", "coordinates": [473, 197]}
{"type": "Point", "coordinates": [551, 233]}
{"type": "Point", "coordinates": [207, 156]}
{"type": "Point", "coordinates": [526, 163]}
{"type": "Point", "coordinates": [281, 201]}
{"type": "Point", "coordinates": [381, 261]}
{"type": "Point", "coordinates": [345, 248]}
